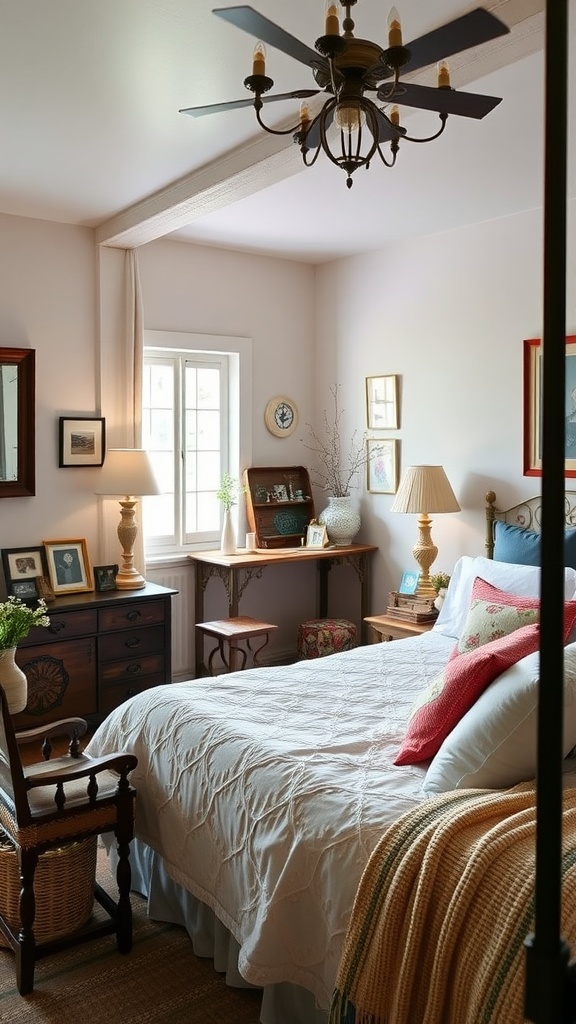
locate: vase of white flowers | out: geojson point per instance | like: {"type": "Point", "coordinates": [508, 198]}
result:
{"type": "Point", "coordinates": [16, 621]}
{"type": "Point", "coordinates": [336, 471]}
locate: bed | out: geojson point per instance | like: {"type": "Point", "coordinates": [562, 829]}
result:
{"type": "Point", "coordinates": [263, 795]}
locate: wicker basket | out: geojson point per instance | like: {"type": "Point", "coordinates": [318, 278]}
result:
{"type": "Point", "coordinates": [63, 886]}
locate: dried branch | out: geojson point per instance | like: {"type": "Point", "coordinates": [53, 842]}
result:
{"type": "Point", "coordinates": [336, 472]}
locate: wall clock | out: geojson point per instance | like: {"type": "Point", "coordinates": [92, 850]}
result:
{"type": "Point", "coordinates": [281, 416]}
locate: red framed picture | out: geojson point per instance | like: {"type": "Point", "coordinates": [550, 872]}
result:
{"type": "Point", "coordinates": [533, 407]}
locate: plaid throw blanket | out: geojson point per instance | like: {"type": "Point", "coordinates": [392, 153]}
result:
{"type": "Point", "coordinates": [442, 911]}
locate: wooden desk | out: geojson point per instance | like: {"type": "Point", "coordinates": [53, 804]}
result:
{"type": "Point", "coordinates": [237, 571]}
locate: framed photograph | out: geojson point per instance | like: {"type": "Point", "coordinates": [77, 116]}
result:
{"type": "Point", "coordinates": [68, 566]}
{"type": "Point", "coordinates": [382, 465]}
{"type": "Point", "coordinates": [82, 441]}
{"type": "Point", "coordinates": [316, 536]}
{"type": "Point", "coordinates": [26, 590]}
{"type": "Point", "coordinates": [382, 402]}
{"type": "Point", "coordinates": [105, 577]}
{"type": "Point", "coordinates": [23, 564]}
{"type": "Point", "coordinates": [533, 407]}
{"type": "Point", "coordinates": [409, 582]}
{"type": "Point", "coordinates": [280, 492]}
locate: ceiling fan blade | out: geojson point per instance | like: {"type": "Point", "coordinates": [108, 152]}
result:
{"type": "Point", "coordinates": [260, 27]}
{"type": "Point", "coordinates": [479, 26]}
{"type": "Point", "coordinates": [218, 108]}
{"type": "Point", "coordinates": [445, 101]}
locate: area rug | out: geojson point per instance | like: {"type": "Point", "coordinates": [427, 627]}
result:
{"type": "Point", "coordinates": [160, 980]}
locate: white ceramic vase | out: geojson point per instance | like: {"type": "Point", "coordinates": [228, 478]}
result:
{"type": "Point", "coordinates": [342, 521]}
{"type": "Point", "coordinates": [13, 680]}
{"type": "Point", "coordinates": [228, 539]}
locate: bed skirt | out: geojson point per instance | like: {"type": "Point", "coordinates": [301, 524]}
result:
{"type": "Point", "coordinates": [169, 902]}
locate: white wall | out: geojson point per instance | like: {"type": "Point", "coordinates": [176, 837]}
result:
{"type": "Point", "coordinates": [48, 303]}
{"type": "Point", "coordinates": [448, 314]}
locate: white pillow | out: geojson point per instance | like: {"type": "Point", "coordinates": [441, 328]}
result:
{"type": "Point", "coordinates": [494, 744]}
{"type": "Point", "coordinates": [523, 580]}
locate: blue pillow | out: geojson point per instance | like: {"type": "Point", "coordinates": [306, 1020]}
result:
{"type": "Point", "coordinates": [522, 547]}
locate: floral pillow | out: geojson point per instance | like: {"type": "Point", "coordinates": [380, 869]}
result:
{"type": "Point", "coordinates": [494, 613]}
{"type": "Point", "coordinates": [499, 631]}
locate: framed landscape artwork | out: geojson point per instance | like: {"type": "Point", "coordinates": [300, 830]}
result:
{"type": "Point", "coordinates": [533, 407]}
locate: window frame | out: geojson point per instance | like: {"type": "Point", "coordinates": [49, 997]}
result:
{"type": "Point", "coordinates": [235, 353]}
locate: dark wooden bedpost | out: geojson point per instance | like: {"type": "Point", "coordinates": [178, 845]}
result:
{"type": "Point", "coordinates": [490, 517]}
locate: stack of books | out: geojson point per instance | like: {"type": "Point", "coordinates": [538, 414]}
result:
{"type": "Point", "coordinates": [411, 608]}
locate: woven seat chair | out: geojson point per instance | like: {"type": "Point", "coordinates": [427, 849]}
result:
{"type": "Point", "coordinates": [50, 812]}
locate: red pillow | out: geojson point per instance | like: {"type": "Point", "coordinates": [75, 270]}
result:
{"type": "Point", "coordinates": [465, 677]}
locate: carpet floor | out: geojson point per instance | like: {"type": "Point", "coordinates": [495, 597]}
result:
{"type": "Point", "coordinates": [160, 980]}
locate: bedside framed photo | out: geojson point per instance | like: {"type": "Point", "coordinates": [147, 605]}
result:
{"type": "Point", "coordinates": [68, 566]}
{"type": "Point", "coordinates": [105, 577]}
{"type": "Point", "coordinates": [26, 590]}
{"type": "Point", "coordinates": [23, 564]}
{"type": "Point", "coordinates": [409, 582]}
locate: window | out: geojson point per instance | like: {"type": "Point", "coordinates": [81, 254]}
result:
{"type": "Point", "coordinates": [191, 426]}
{"type": "Point", "coordinates": [185, 430]}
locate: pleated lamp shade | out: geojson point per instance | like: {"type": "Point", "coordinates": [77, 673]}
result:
{"type": "Point", "coordinates": [425, 489]}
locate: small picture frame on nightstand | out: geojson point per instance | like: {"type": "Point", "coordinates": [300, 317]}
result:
{"type": "Point", "coordinates": [409, 582]}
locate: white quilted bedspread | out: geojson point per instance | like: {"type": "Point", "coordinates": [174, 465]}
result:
{"type": "Point", "coordinates": [265, 792]}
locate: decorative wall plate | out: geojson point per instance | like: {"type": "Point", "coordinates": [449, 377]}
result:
{"type": "Point", "coordinates": [281, 416]}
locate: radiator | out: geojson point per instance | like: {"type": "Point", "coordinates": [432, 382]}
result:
{"type": "Point", "coordinates": [180, 577]}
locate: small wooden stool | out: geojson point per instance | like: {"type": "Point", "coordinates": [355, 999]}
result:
{"type": "Point", "coordinates": [234, 632]}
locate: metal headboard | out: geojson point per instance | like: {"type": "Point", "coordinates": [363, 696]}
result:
{"type": "Point", "coordinates": [527, 515]}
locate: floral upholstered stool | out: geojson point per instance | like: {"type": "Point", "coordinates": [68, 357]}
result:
{"type": "Point", "coordinates": [319, 637]}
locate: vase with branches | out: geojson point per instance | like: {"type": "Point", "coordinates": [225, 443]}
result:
{"type": "Point", "coordinates": [337, 465]}
{"type": "Point", "coordinates": [335, 470]}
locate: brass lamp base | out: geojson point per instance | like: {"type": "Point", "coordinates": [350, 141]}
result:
{"type": "Point", "coordinates": [128, 577]}
{"type": "Point", "coordinates": [424, 552]}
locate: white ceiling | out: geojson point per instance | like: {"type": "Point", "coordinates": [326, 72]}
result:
{"type": "Point", "coordinates": [91, 134]}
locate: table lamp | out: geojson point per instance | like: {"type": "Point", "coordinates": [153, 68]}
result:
{"type": "Point", "coordinates": [128, 471]}
{"type": "Point", "coordinates": [425, 489]}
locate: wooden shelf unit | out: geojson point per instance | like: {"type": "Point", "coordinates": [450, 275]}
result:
{"type": "Point", "coordinates": [279, 505]}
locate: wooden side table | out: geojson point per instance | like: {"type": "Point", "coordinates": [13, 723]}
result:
{"type": "Point", "coordinates": [387, 627]}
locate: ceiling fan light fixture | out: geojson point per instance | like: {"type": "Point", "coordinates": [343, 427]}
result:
{"type": "Point", "coordinates": [347, 69]}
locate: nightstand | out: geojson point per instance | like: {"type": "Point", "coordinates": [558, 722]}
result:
{"type": "Point", "coordinates": [386, 627]}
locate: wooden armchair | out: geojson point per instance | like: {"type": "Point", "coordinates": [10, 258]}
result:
{"type": "Point", "coordinates": [47, 805]}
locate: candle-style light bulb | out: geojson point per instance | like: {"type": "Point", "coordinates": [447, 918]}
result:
{"type": "Point", "coordinates": [394, 28]}
{"type": "Point", "coordinates": [332, 23]}
{"type": "Point", "coordinates": [259, 59]}
{"type": "Point", "coordinates": [443, 75]}
{"type": "Point", "coordinates": [304, 115]}
{"type": "Point", "coordinates": [395, 115]}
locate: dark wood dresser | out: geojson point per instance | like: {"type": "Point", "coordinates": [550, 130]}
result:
{"type": "Point", "coordinates": [99, 649]}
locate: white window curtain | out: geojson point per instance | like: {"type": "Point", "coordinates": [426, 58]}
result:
{"type": "Point", "coordinates": [133, 349]}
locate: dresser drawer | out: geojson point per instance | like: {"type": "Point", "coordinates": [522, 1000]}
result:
{"type": "Point", "coordinates": [136, 613]}
{"type": "Point", "coordinates": [132, 669]}
{"type": "Point", "coordinates": [62, 626]}
{"type": "Point", "coordinates": [131, 643]}
{"type": "Point", "coordinates": [112, 696]}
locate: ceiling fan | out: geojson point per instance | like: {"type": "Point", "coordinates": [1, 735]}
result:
{"type": "Point", "coordinates": [347, 69]}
